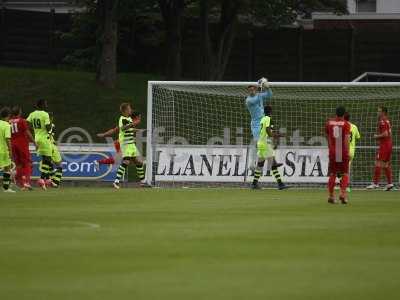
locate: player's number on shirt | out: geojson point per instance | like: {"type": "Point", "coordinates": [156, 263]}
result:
{"type": "Point", "coordinates": [14, 128]}
{"type": "Point", "coordinates": [337, 132]}
{"type": "Point", "coordinates": [37, 124]}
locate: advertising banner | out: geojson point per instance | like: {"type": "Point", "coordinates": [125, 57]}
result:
{"type": "Point", "coordinates": [228, 164]}
{"type": "Point", "coordinates": [78, 162]}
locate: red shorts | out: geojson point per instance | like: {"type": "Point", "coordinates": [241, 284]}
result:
{"type": "Point", "coordinates": [338, 167]}
{"type": "Point", "coordinates": [384, 153]}
{"type": "Point", "coordinates": [21, 155]}
{"type": "Point", "coordinates": [117, 146]}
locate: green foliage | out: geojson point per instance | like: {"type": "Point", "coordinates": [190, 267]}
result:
{"type": "Point", "coordinates": [284, 12]}
{"type": "Point", "coordinates": [143, 16]}
{"type": "Point", "coordinates": [142, 20]}
{"type": "Point", "coordinates": [82, 38]}
{"type": "Point", "coordinates": [74, 97]}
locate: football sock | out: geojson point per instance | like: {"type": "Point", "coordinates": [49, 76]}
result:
{"type": "Point", "coordinates": [377, 174]}
{"type": "Point", "coordinates": [140, 171]}
{"type": "Point", "coordinates": [276, 174]}
{"type": "Point", "coordinates": [121, 171]}
{"type": "Point", "coordinates": [257, 175]}
{"type": "Point", "coordinates": [56, 177]}
{"type": "Point", "coordinates": [18, 176]}
{"type": "Point", "coordinates": [344, 182]}
{"type": "Point", "coordinates": [6, 180]}
{"type": "Point", "coordinates": [331, 184]}
{"type": "Point", "coordinates": [46, 168]}
{"type": "Point", "coordinates": [27, 171]}
{"type": "Point", "coordinates": [389, 175]}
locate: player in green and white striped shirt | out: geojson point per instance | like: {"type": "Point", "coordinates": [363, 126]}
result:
{"type": "Point", "coordinates": [128, 147]}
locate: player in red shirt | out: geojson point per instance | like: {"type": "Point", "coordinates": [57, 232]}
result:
{"type": "Point", "coordinates": [20, 138]}
{"type": "Point", "coordinates": [384, 154]}
{"type": "Point", "coordinates": [338, 133]}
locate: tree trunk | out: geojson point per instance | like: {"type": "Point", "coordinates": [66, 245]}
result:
{"type": "Point", "coordinates": [207, 55]}
{"type": "Point", "coordinates": [215, 58]}
{"type": "Point", "coordinates": [172, 11]}
{"type": "Point", "coordinates": [174, 50]}
{"type": "Point", "coordinates": [108, 40]}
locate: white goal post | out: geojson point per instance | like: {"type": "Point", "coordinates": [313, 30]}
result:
{"type": "Point", "coordinates": [199, 132]}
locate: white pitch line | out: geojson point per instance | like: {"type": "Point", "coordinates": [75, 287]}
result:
{"type": "Point", "coordinates": [89, 225]}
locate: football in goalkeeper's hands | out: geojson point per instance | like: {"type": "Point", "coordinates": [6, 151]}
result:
{"type": "Point", "coordinates": [263, 83]}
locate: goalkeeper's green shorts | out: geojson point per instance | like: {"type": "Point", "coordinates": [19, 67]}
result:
{"type": "Point", "coordinates": [265, 151]}
{"type": "Point", "coordinates": [129, 150]}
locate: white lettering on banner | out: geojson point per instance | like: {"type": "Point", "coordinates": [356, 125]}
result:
{"type": "Point", "coordinates": [223, 164]}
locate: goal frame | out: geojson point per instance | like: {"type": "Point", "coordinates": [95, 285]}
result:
{"type": "Point", "coordinates": [149, 137]}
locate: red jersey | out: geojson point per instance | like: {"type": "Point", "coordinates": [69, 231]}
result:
{"type": "Point", "coordinates": [384, 125]}
{"type": "Point", "coordinates": [19, 127]}
{"type": "Point", "coordinates": [338, 131]}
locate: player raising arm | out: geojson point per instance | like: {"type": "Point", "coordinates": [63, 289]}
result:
{"type": "Point", "coordinates": [384, 154]}
{"type": "Point", "coordinates": [338, 133]}
{"type": "Point", "coordinates": [128, 147]}
{"type": "Point", "coordinates": [5, 148]}
{"type": "Point", "coordinates": [265, 151]}
{"type": "Point", "coordinates": [136, 118]}
{"type": "Point", "coordinates": [255, 103]}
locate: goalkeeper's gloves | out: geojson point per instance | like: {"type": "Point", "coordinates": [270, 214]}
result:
{"type": "Point", "coordinates": [263, 84]}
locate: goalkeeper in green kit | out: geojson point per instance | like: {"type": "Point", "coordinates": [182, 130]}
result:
{"type": "Point", "coordinates": [265, 151]}
{"type": "Point", "coordinates": [354, 137]}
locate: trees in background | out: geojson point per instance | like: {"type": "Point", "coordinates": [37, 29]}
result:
{"type": "Point", "coordinates": [227, 13]}
{"type": "Point", "coordinates": [217, 21]}
{"type": "Point", "coordinates": [215, 52]}
{"type": "Point", "coordinates": [107, 40]}
{"type": "Point", "coordinates": [99, 23]}
{"type": "Point", "coordinates": [172, 14]}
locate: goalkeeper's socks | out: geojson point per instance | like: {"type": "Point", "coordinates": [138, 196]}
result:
{"type": "Point", "coordinates": [257, 175]}
{"type": "Point", "coordinates": [377, 174]}
{"type": "Point", "coordinates": [121, 171]}
{"type": "Point", "coordinates": [389, 175]}
{"type": "Point", "coordinates": [140, 172]}
{"type": "Point", "coordinates": [56, 178]}
{"type": "Point", "coordinates": [6, 180]}
{"type": "Point", "coordinates": [276, 174]}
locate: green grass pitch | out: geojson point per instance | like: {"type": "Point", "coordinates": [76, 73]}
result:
{"type": "Point", "coordinates": [86, 243]}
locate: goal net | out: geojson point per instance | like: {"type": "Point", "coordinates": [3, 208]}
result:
{"type": "Point", "coordinates": [199, 132]}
